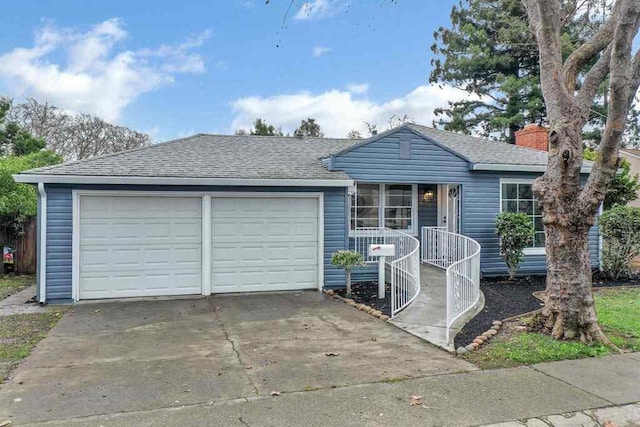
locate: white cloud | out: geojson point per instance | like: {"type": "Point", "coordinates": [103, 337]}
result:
{"type": "Point", "coordinates": [358, 88]}
{"type": "Point", "coordinates": [338, 112]}
{"type": "Point", "coordinates": [90, 71]}
{"type": "Point", "coordinates": [318, 9]}
{"type": "Point", "coordinates": [318, 51]}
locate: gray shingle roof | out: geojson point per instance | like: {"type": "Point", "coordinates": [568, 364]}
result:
{"type": "Point", "coordinates": [480, 150]}
{"type": "Point", "coordinates": [271, 157]}
{"type": "Point", "coordinates": [215, 156]}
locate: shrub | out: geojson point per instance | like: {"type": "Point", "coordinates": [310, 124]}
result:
{"type": "Point", "coordinates": [516, 233]}
{"type": "Point", "coordinates": [347, 260]}
{"type": "Point", "coordinates": [620, 229]}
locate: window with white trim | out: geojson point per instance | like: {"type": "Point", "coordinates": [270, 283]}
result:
{"type": "Point", "coordinates": [384, 205]}
{"type": "Point", "coordinates": [518, 196]}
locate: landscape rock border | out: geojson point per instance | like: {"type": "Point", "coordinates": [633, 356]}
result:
{"type": "Point", "coordinates": [481, 339]}
{"type": "Point", "coordinates": [362, 307]}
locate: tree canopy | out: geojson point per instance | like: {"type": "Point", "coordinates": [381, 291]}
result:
{"type": "Point", "coordinates": [489, 52]}
{"type": "Point", "coordinates": [260, 127]}
{"type": "Point", "coordinates": [309, 128]}
{"type": "Point", "coordinates": [18, 201]}
{"type": "Point", "coordinates": [73, 136]}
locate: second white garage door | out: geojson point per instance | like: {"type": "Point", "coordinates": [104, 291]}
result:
{"type": "Point", "coordinates": [264, 244]}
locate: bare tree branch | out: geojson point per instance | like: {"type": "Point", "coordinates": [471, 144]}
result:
{"type": "Point", "coordinates": [544, 18]}
{"type": "Point", "coordinates": [621, 91]}
{"type": "Point", "coordinates": [592, 81]}
{"type": "Point", "coordinates": [591, 48]}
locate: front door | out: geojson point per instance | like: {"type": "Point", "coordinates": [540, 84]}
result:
{"type": "Point", "coordinates": [449, 207]}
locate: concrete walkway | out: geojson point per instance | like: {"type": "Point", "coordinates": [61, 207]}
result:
{"type": "Point", "coordinates": [426, 317]}
{"type": "Point", "coordinates": [17, 303]}
{"type": "Point", "coordinates": [556, 394]}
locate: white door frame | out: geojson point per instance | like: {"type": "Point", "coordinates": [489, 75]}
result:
{"type": "Point", "coordinates": [445, 208]}
{"type": "Point", "coordinates": [206, 225]}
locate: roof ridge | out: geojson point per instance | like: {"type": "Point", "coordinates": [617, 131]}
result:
{"type": "Point", "coordinates": [117, 153]}
{"type": "Point", "coordinates": [282, 136]}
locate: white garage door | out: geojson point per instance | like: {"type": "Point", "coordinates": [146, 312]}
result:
{"type": "Point", "coordinates": [264, 244]}
{"type": "Point", "coordinates": [139, 246]}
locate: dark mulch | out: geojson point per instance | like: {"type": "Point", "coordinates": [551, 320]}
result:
{"type": "Point", "coordinates": [503, 299]}
{"type": "Point", "coordinates": [506, 298]}
{"type": "Point", "coordinates": [601, 280]}
{"type": "Point", "coordinates": [367, 293]}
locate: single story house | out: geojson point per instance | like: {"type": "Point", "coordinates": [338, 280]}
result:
{"type": "Point", "coordinates": [215, 213]}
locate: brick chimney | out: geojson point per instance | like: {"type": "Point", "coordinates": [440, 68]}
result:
{"type": "Point", "coordinates": [533, 136]}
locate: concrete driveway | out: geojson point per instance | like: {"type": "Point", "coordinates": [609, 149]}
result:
{"type": "Point", "coordinates": [136, 356]}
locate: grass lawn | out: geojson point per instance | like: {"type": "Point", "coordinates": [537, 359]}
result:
{"type": "Point", "coordinates": [619, 315]}
{"type": "Point", "coordinates": [9, 285]}
{"type": "Point", "coordinates": [19, 333]}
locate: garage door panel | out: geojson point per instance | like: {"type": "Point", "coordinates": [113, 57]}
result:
{"type": "Point", "coordinates": [140, 246]}
{"type": "Point", "coordinates": [264, 244]}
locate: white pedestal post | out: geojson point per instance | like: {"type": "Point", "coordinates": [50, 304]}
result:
{"type": "Point", "coordinates": [381, 278]}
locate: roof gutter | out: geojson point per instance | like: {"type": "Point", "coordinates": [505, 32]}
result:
{"type": "Point", "coordinates": [141, 180]}
{"type": "Point", "coordinates": [516, 168]}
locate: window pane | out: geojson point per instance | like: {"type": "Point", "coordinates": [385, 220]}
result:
{"type": "Point", "coordinates": [368, 212]}
{"type": "Point", "coordinates": [525, 207]}
{"type": "Point", "coordinates": [397, 213]}
{"type": "Point", "coordinates": [539, 240]}
{"type": "Point", "coordinates": [537, 223]}
{"type": "Point", "coordinates": [398, 223]}
{"type": "Point", "coordinates": [524, 191]}
{"type": "Point", "coordinates": [368, 194]}
{"type": "Point", "coordinates": [398, 195]}
{"type": "Point", "coordinates": [509, 191]}
{"type": "Point", "coordinates": [510, 206]}
{"type": "Point", "coordinates": [367, 222]}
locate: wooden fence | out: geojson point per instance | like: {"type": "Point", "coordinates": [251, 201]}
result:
{"type": "Point", "coordinates": [25, 246]}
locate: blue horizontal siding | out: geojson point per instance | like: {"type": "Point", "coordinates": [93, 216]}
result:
{"type": "Point", "coordinates": [60, 224]}
{"type": "Point", "coordinates": [379, 161]}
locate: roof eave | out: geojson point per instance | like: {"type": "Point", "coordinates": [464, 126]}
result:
{"type": "Point", "coordinates": [516, 168]}
{"type": "Point", "coordinates": [143, 180]}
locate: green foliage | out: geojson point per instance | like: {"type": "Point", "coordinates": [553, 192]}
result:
{"type": "Point", "coordinates": [15, 141]}
{"type": "Point", "coordinates": [310, 128]}
{"type": "Point", "coordinates": [18, 142]}
{"type": "Point", "coordinates": [618, 315]}
{"type": "Point", "coordinates": [261, 127]}
{"type": "Point", "coordinates": [346, 260]}
{"type": "Point", "coordinates": [18, 201]}
{"type": "Point", "coordinates": [488, 51]}
{"type": "Point", "coordinates": [623, 187]}
{"type": "Point", "coordinates": [516, 233]}
{"type": "Point", "coordinates": [620, 229]}
{"type": "Point", "coordinates": [529, 348]}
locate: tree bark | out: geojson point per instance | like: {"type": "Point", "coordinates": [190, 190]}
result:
{"type": "Point", "coordinates": [569, 312]}
{"type": "Point", "coordinates": [570, 208]}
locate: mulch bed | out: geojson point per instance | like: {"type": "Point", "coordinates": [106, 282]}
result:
{"type": "Point", "coordinates": [367, 293]}
{"type": "Point", "coordinates": [506, 298]}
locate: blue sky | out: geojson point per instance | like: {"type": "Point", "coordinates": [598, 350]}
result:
{"type": "Point", "coordinates": [175, 68]}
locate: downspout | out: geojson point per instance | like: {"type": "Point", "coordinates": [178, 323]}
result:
{"type": "Point", "coordinates": [42, 250]}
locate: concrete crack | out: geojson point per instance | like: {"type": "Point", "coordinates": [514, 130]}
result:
{"type": "Point", "coordinates": [235, 350]}
{"type": "Point", "coordinates": [244, 423]}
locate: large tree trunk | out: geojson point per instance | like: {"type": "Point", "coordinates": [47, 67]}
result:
{"type": "Point", "coordinates": [569, 312]}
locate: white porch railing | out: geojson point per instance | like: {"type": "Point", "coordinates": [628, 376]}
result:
{"type": "Point", "coordinates": [403, 269]}
{"type": "Point", "coordinates": [460, 256]}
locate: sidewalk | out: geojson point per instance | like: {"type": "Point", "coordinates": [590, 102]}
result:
{"type": "Point", "coordinates": [535, 394]}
